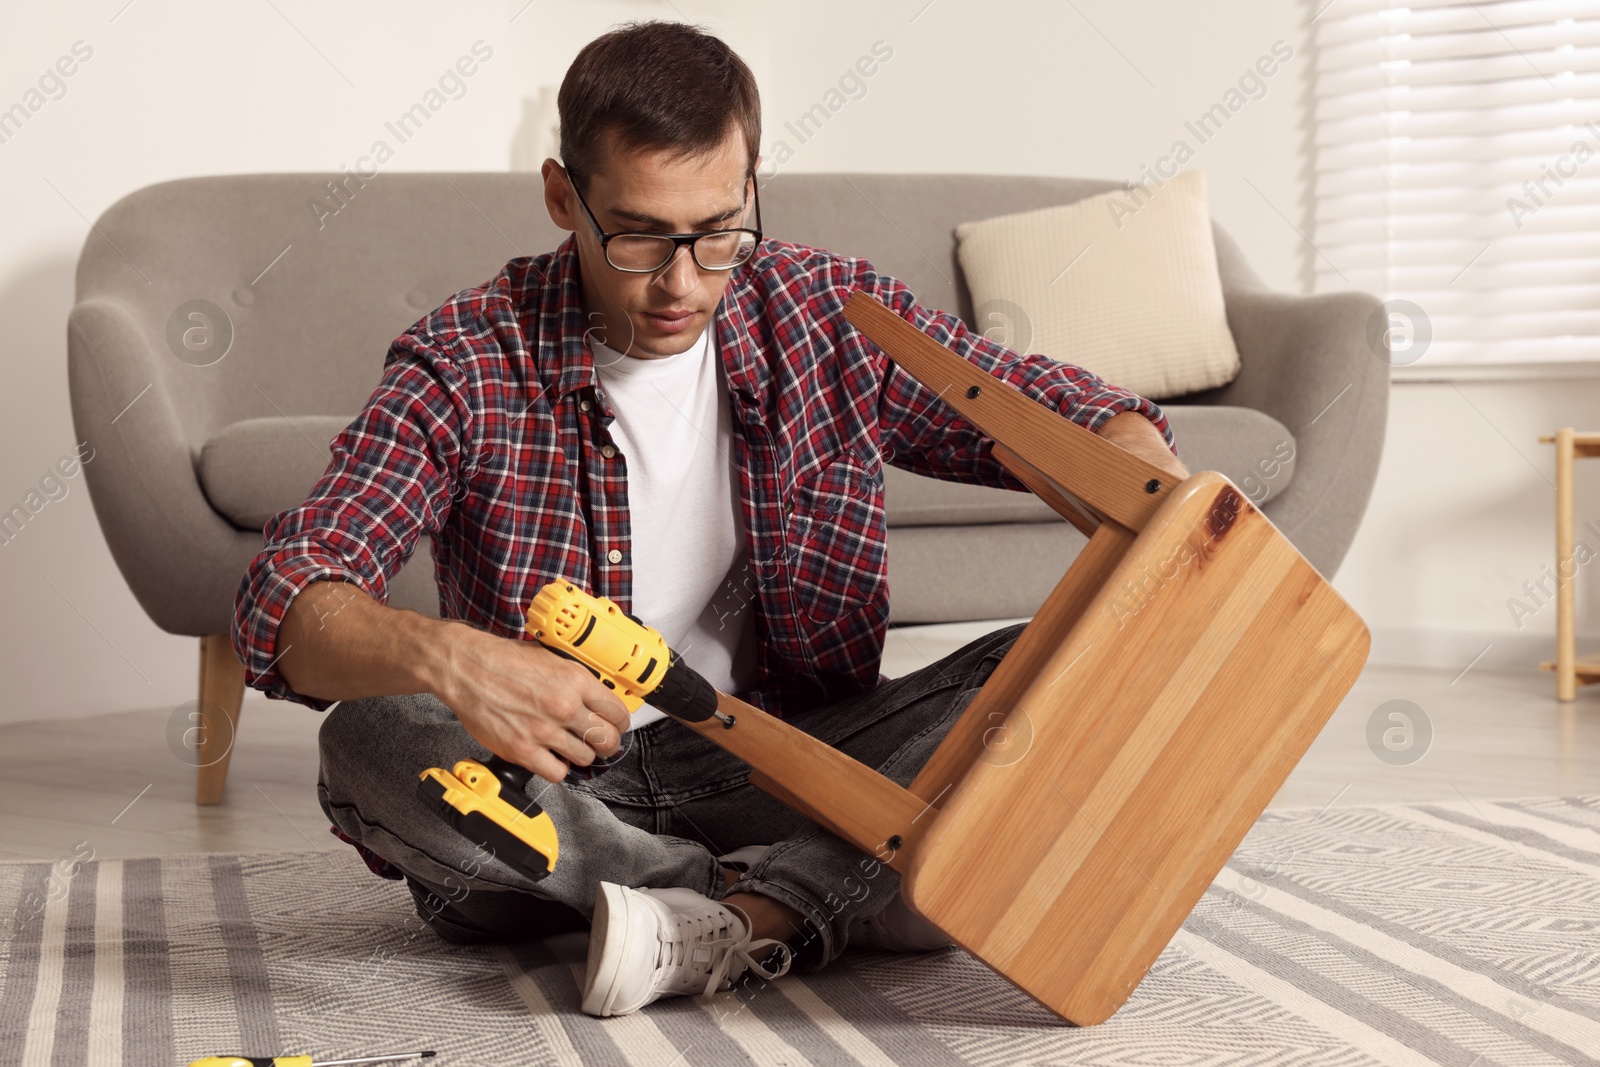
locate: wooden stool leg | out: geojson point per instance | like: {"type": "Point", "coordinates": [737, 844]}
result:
{"type": "Point", "coordinates": [221, 696]}
{"type": "Point", "coordinates": [1566, 567]}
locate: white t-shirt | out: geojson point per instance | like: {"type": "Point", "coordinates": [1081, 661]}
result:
{"type": "Point", "coordinates": [673, 430]}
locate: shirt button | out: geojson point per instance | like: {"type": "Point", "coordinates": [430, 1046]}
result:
{"type": "Point", "coordinates": [607, 451]}
{"type": "Point", "coordinates": [583, 405]}
{"type": "Point", "coordinates": [615, 555]}
{"type": "Point", "coordinates": [788, 507]}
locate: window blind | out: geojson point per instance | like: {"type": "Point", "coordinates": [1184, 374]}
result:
{"type": "Point", "coordinates": [1457, 150]}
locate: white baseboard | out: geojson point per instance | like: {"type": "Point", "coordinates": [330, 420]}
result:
{"type": "Point", "coordinates": [1490, 650]}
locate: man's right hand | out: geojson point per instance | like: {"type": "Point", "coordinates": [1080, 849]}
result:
{"type": "Point", "coordinates": [527, 704]}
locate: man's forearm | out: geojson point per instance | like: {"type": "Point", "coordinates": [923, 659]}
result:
{"type": "Point", "coordinates": [337, 643]}
{"type": "Point", "coordinates": [1137, 434]}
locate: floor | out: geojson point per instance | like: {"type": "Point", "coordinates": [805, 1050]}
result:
{"type": "Point", "coordinates": [116, 783]}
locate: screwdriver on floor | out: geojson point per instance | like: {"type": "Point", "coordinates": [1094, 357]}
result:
{"type": "Point", "coordinates": [299, 1061]}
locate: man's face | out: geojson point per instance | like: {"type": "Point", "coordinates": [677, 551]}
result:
{"type": "Point", "coordinates": [649, 316]}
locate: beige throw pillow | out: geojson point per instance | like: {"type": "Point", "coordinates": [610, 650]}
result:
{"type": "Point", "coordinates": [1124, 284]}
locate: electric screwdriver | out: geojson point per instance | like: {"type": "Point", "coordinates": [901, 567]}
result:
{"type": "Point", "coordinates": [300, 1061]}
{"type": "Point", "coordinates": [487, 801]}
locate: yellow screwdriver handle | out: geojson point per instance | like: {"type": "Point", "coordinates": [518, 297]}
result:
{"type": "Point", "coordinates": [252, 1061]}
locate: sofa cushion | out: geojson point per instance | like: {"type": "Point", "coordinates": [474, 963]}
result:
{"type": "Point", "coordinates": [932, 577]}
{"type": "Point", "coordinates": [1124, 284]}
{"type": "Point", "coordinates": [254, 469]}
{"type": "Point", "coordinates": [1253, 449]}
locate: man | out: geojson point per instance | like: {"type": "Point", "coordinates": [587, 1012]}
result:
{"type": "Point", "coordinates": [670, 411]}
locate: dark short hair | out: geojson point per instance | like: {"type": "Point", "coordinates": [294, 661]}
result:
{"type": "Point", "coordinates": [656, 85]}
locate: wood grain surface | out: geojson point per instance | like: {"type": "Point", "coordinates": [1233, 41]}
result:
{"type": "Point", "coordinates": [1150, 710]}
{"type": "Point", "coordinates": [1160, 728]}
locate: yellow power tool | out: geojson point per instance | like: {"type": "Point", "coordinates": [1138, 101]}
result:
{"type": "Point", "coordinates": [487, 801]}
{"type": "Point", "coordinates": [300, 1061]}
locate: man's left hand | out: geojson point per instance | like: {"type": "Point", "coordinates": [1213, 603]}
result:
{"type": "Point", "coordinates": [1137, 434]}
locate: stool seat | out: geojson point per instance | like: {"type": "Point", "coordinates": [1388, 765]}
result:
{"type": "Point", "coordinates": [1153, 707]}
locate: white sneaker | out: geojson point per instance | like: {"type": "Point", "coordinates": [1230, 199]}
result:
{"type": "Point", "coordinates": [645, 944]}
{"type": "Point", "coordinates": [895, 928]}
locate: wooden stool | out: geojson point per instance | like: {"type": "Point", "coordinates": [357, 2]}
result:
{"type": "Point", "coordinates": [1570, 670]}
{"type": "Point", "coordinates": [1170, 683]}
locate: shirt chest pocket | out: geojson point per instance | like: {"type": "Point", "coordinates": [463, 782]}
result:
{"type": "Point", "coordinates": [837, 539]}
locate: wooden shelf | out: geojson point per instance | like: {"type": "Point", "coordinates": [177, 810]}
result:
{"type": "Point", "coordinates": [1571, 672]}
{"type": "Point", "coordinates": [1584, 445]}
{"type": "Point", "coordinates": [1587, 669]}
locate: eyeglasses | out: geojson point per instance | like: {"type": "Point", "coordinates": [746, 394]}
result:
{"type": "Point", "coordinates": [646, 253]}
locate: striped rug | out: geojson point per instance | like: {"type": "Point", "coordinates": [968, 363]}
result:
{"type": "Point", "coordinates": [1464, 933]}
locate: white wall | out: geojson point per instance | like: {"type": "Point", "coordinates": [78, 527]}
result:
{"type": "Point", "coordinates": [1009, 86]}
{"type": "Point", "coordinates": [172, 89]}
{"type": "Point", "coordinates": [1462, 522]}
{"type": "Point", "coordinates": [1095, 89]}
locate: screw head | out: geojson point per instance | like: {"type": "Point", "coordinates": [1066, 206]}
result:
{"type": "Point", "coordinates": [973, 391]}
{"type": "Point", "coordinates": [1153, 485]}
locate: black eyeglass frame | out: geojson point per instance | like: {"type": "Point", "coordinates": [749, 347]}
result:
{"type": "Point", "coordinates": [678, 239]}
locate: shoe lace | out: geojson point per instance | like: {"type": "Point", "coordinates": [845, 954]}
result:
{"type": "Point", "coordinates": [696, 950]}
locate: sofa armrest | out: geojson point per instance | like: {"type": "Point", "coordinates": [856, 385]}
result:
{"type": "Point", "coordinates": [1306, 362]}
{"type": "Point", "coordinates": [172, 547]}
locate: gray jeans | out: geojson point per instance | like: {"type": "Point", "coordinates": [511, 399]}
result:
{"type": "Point", "coordinates": [657, 818]}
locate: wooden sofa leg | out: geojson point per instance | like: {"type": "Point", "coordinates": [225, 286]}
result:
{"type": "Point", "coordinates": [221, 695]}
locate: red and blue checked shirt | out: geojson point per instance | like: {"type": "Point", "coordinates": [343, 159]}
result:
{"type": "Point", "coordinates": [489, 433]}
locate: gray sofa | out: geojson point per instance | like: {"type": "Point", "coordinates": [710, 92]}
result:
{"type": "Point", "coordinates": [185, 477]}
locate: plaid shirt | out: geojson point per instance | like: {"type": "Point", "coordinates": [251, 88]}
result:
{"type": "Point", "coordinates": [488, 432]}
